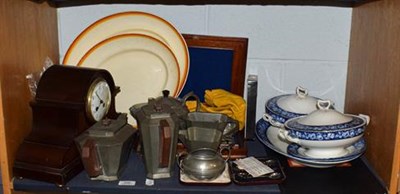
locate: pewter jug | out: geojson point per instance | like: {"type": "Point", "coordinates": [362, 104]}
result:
{"type": "Point", "coordinates": [159, 121]}
{"type": "Point", "coordinates": [105, 148]}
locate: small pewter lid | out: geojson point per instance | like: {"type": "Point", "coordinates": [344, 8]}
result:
{"type": "Point", "coordinates": [108, 127]}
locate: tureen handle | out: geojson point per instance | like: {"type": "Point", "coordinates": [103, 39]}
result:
{"type": "Point", "coordinates": [324, 104]}
{"type": "Point", "coordinates": [272, 121]}
{"type": "Point", "coordinates": [301, 92]}
{"type": "Point", "coordinates": [365, 117]}
{"type": "Point", "coordinates": [284, 134]}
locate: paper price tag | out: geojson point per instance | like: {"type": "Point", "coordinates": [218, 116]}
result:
{"type": "Point", "coordinates": [149, 182]}
{"type": "Point", "coordinates": [253, 166]}
{"type": "Point", "coordinates": [127, 183]}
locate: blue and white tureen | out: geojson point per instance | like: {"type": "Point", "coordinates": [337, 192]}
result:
{"type": "Point", "coordinates": [325, 133]}
{"type": "Point", "coordinates": [284, 107]}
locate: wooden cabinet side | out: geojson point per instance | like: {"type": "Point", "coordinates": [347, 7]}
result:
{"type": "Point", "coordinates": [28, 34]}
{"type": "Point", "coordinates": [373, 83]}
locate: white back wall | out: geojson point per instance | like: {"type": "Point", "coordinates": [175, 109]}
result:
{"type": "Point", "coordinates": [288, 45]}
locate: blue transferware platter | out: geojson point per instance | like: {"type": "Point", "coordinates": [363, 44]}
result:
{"type": "Point", "coordinates": [261, 132]}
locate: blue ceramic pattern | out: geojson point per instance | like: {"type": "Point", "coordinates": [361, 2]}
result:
{"type": "Point", "coordinates": [276, 117]}
{"type": "Point", "coordinates": [261, 133]}
{"type": "Point", "coordinates": [359, 148]}
{"type": "Point", "coordinates": [272, 108]}
{"type": "Point", "coordinates": [356, 122]}
{"type": "Point", "coordinates": [326, 135]}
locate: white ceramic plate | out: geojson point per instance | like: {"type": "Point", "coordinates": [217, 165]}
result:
{"type": "Point", "coordinates": [141, 66]}
{"type": "Point", "coordinates": [132, 22]}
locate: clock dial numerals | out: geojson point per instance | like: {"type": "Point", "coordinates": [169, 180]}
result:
{"type": "Point", "coordinates": [100, 99]}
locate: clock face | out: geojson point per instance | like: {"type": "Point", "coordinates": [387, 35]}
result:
{"type": "Point", "coordinates": [99, 99]}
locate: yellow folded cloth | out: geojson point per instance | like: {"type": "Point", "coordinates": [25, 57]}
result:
{"type": "Point", "coordinates": [222, 101]}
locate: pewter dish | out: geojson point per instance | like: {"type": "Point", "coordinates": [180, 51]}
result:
{"type": "Point", "coordinates": [222, 179]}
{"type": "Point", "coordinates": [203, 164]}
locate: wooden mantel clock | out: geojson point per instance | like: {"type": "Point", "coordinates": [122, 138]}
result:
{"type": "Point", "coordinates": [68, 101]}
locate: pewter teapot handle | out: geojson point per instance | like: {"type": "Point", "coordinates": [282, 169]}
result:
{"type": "Point", "coordinates": [136, 108]}
{"type": "Point", "coordinates": [187, 96]}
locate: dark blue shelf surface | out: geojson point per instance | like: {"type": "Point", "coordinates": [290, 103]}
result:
{"type": "Point", "coordinates": [135, 172]}
{"type": "Point", "coordinates": [358, 178]}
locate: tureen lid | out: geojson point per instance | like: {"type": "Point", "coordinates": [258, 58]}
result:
{"type": "Point", "coordinates": [299, 103]}
{"type": "Point", "coordinates": [326, 119]}
{"type": "Point", "coordinates": [325, 115]}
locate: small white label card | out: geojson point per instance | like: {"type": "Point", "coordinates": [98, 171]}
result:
{"type": "Point", "coordinates": [127, 183]}
{"type": "Point", "coordinates": [253, 166]}
{"type": "Point", "coordinates": [149, 182]}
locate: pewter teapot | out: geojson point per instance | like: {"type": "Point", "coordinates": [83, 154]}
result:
{"type": "Point", "coordinates": [159, 121]}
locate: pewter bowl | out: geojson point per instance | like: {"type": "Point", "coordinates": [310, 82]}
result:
{"type": "Point", "coordinates": [203, 164]}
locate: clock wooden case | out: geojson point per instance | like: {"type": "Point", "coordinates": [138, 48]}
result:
{"type": "Point", "coordinates": [64, 107]}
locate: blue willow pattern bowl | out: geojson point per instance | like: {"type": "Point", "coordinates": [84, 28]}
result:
{"type": "Point", "coordinates": [349, 129]}
{"type": "Point", "coordinates": [325, 136]}
{"type": "Point", "coordinates": [326, 124]}
{"type": "Point", "coordinates": [325, 132]}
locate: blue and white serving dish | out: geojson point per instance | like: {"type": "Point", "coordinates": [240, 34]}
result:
{"type": "Point", "coordinates": [269, 136]}
{"type": "Point", "coordinates": [284, 107]}
{"type": "Point", "coordinates": [325, 133]}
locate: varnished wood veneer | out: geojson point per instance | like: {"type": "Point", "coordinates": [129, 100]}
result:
{"type": "Point", "coordinates": [373, 83]}
{"type": "Point", "coordinates": [236, 44]}
{"type": "Point", "coordinates": [28, 34]}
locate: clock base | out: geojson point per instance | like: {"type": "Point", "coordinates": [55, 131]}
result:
{"type": "Point", "coordinates": [59, 114]}
{"type": "Point", "coordinates": [47, 163]}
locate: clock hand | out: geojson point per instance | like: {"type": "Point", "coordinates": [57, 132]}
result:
{"type": "Point", "coordinates": [101, 100]}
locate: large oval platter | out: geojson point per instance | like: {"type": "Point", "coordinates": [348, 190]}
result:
{"type": "Point", "coordinates": [142, 67]}
{"type": "Point", "coordinates": [131, 22]}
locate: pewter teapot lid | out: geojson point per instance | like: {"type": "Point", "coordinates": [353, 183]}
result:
{"type": "Point", "coordinates": [108, 127]}
{"type": "Point", "coordinates": [178, 106]}
{"type": "Point", "coordinates": [164, 103]}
